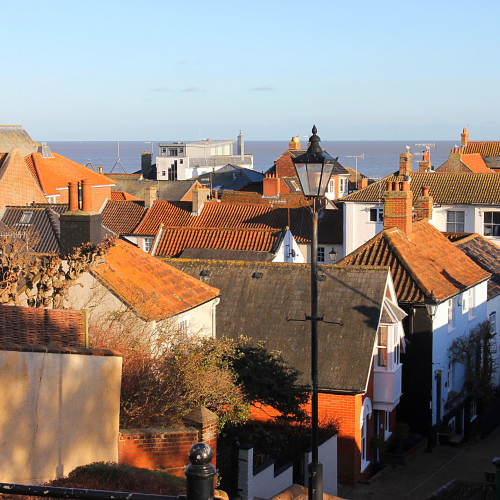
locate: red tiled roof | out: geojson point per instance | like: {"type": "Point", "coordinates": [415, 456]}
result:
{"type": "Point", "coordinates": [238, 217]}
{"type": "Point", "coordinates": [174, 241]}
{"type": "Point", "coordinates": [152, 288]}
{"type": "Point", "coordinates": [123, 196]}
{"type": "Point", "coordinates": [491, 148]}
{"type": "Point", "coordinates": [421, 262]}
{"type": "Point", "coordinates": [476, 164]}
{"type": "Point", "coordinates": [52, 173]}
{"type": "Point", "coordinates": [122, 216]}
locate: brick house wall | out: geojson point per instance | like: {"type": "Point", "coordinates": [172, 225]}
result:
{"type": "Point", "coordinates": [18, 187]}
{"type": "Point", "coordinates": [30, 325]}
{"type": "Point", "coordinates": [284, 165]}
{"type": "Point", "coordinates": [99, 196]}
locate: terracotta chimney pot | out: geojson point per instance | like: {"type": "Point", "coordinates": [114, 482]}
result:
{"type": "Point", "coordinates": [86, 195]}
{"type": "Point", "coordinates": [73, 196]}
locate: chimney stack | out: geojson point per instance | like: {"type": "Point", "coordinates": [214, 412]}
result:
{"type": "Point", "coordinates": [271, 185]}
{"type": "Point", "coordinates": [146, 160]}
{"type": "Point", "coordinates": [294, 144]}
{"type": "Point", "coordinates": [99, 170]}
{"type": "Point", "coordinates": [423, 205]}
{"type": "Point", "coordinates": [405, 161]}
{"type": "Point", "coordinates": [46, 153]}
{"type": "Point", "coordinates": [80, 226]}
{"type": "Point", "coordinates": [398, 204]}
{"type": "Point", "coordinates": [241, 146]}
{"type": "Point", "coordinates": [150, 196]}
{"type": "Point", "coordinates": [200, 196]}
{"type": "Point", "coordinates": [425, 165]}
{"type": "Point", "coordinates": [465, 137]}
{"type": "Point", "coordinates": [363, 182]}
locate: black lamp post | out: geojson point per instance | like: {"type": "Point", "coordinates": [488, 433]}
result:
{"type": "Point", "coordinates": [431, 304]}
{"type": "Point", "coordinates": [314, 169]}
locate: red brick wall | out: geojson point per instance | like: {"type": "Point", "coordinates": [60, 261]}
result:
{"type": "Point", "coordinates": [271, 185]}
{"type": "Point", "coordinates": [163, 448]}
{"type": "Point", "coordinates": [398, 206]}
{"type": "Point", "coordinates": [29, 325]}
{"type": "Point", "coordinates": [18, 186]}
{"type": "Point", "coordinates": [284, 165]}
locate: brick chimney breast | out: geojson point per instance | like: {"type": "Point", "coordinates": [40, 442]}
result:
{"type": "Point", "coordinates": [465, 137]}
{"type": "Point", "coordinates": [405, 163]}
{"type": "Point", "coordinates": [200, 196]}
{"type": "Point", "coordinates": [294, 144]}
{"type": "Point", "coordinates": [423, 205]}
{"type": "Point", "coordinates": [150, 196]}
{"type": "Point", "coordinates": [271, 186]}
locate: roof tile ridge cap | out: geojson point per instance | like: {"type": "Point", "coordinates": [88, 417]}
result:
{"type": "Point", "coordinates": [392, 242]}
{"type": "Point", "coordinates": [468, 238]}
{"type": "Point", "coordinates": [361, 248]}
{"type": "Point", "coordinates": [36, 159]}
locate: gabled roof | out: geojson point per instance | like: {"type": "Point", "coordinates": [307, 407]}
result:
{"type": "Point", "coordinates": [226, 216]}
{"type": "Point", "coordinates": [486, 148]}
{"type": "Point", "coordinates": [421, 262]}
{"type": "Point", "coordinates": [446, 188]}
{"type": "Point", "coordinates": [167, 190]}
{"type": "Point", "coordinates": [484, 253]}
{"type": "Point", "coordinates": [231, 177]}
{"type": "Point", "coordinates": [153, 289]}
{"type": "Point", "coordinates": [14, 136]}
{"type": "Point", "coordinates": [257, 299]}
{"type": "Point", "coordinates": [475, 163]}
{"type": "Point", "coordinates": [122, 217]}
{"type": "Point", "coordinates": [42, 219]}
{"type": "Point", "coordinates": [56, 172]}
{"type": "Point", "coordinates": [123, 196]}
{"type": "Point", "coordinates": [173, 241]}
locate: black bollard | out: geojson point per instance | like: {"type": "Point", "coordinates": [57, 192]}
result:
{"type": "Point", "coordinates": [200, 473]}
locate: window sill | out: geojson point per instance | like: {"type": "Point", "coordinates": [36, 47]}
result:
{"type": "Point", "coordinates": [451, 330]}
{"type": "Point", "coordinates": [364, 465]}
{"type": "Point", "coordinates": [472, 318]}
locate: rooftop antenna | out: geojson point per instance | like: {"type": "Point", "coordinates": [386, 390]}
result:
{"type": "Point", "coordinates": [427, 146]}
{"type": "Point", "coordinates": [356, 156]}
{"type": "Point", "coordinates": [90, 165]}
{"type": "Point", "coordinates": [147, 142]}
{"type": "Point", "coordinates": [118, 162]}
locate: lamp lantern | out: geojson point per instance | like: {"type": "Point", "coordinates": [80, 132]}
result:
{"type": "Point", "coordinates": [431, 304]}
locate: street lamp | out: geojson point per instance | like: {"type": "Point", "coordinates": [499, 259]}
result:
{"type": "Point", "coordinates": [314, 169]}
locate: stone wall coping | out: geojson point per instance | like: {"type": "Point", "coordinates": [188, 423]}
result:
{"type": "Point", "coordinates": [154, 431]}
{"type": "Point", "coordinates": [14, 346]}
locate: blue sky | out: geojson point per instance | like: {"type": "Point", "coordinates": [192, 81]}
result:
{"type": "Point", "coordinates": [165, 70]}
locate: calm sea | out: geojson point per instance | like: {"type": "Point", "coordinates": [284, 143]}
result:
{"type": "Point", "coordinates": [380, 157]}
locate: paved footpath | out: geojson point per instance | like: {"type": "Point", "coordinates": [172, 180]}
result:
{"type": "Point", "coordinates": [430, 471]}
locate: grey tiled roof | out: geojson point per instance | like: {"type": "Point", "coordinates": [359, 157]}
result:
{"type": "Point", "coordinates": [167, 190]}
{"type": "Point", "coordinates": [492, 161]}
{"type": "Point", "coordinates": [14, 136]}
{"type": "Point", "coordinates": [44, 221]}
{"type": "Point", "coordinates": [231, 177]}
{"type": "Point", "coordinates": [259, 307]}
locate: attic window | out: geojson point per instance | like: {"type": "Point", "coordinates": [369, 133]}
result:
{"type": "Point", "coordinates": [257, 275]}
{"type": "Point", "coordinates": [205, 273]}
{"type": "Point", "coordinates": [26, 217]}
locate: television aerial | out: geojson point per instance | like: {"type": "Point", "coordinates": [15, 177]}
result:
{"type": "Point", "coordinates": [118, 162]}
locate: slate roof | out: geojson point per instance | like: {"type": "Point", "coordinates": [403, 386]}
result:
{"type": "Point", "coordinates": [14, 136]}
{"type": "Point", "coordinates": [446, 188]}
{"type": "Point", "coordinates": [167, 190]}
{"type": "Point", "coordinates": [259, 308]}
{"type": "Point", "coordinates": [484, 253]}
{"type": "Point", "coordinates": [492, 162]}
{"type": "Point", "coordinates": [223, 254]}
{"type": "Point", "coordinates": [122, 217]}
{"type": "Point", "coordinates": [486, 148]}
{"type": "Point", "coordinates": [56, 172]}
{"type": "Point", "coordinates": [173, 241]}
{"type": "Point", "coordinates": [227, 216]}
{"type": "Point", "coordinates": [231, 177]}
{"type": "Point", "coordinates": [44, 221]}
{"type": "Point", "coordinates": [421, 262]}
{"type": "Point", "coordinates": [123, 196]}
{"type": "Point", "coordinates": [153, 289]}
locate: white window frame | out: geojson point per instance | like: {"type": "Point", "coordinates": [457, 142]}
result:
{"type": "Point", "coordinates": [379, 215]}
{"type": "Point", "coordinates": [451, 225]}
{"type": "Point", "coordinates": [321, 255]}
{"type": "Point", "coordinates": [366, 413]}
{"type": "Point", "coordinates": [387, 424]}
{"type": "Point", "coordinates": [382, 346]}
{"type": "Point", "coordinates": [342, 185]}
{"type": "Point", "coordinates": [146, 244]}
{"type": "Point", "coordinates": [470, 303]}
{"type": "Point", "coordinates": [331, 185]}
{"type": "Point", "coordinates": [183, 325]}
{"type": "Point", "coordinates": [494, 226]}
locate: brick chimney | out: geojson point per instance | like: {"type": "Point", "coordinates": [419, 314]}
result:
{"type": "Point", "coordinates": [425, 165]}
{"type": "Point", "coordinates": [146, 160]}
{"type": "Point", "coordinates": [80, 226]}
{"type": "Point", "coordinates": [398, 204]}
{"type": "Point", "coordinates": [454, 160]}
{"type": "Point", "coordinates": [200, 196]}
{"type": "Point", "coordinates": [150, 196]}
{"type": "Point", "coordinates": [465, 137]}
{"type": "Point", "coordinates": [405, 163]}
{"type": "Point", "coordinates": [271, 185]}
{"type": "Point", "coordinates": [294, 144]}
{"type": "Point", "coordinates": [423, 205]}
{"type": "Point", "coordinates": [363, 182]}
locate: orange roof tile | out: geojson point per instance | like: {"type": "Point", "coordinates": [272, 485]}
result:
{"type": "Point", "coordinates": [174, 241]}
{"type": "Point", "coordinates": [475, 163]}
{"type": "Point", "coordinates": [238, 217]}
{"type": "Point", "coordinates": [123, 196]}
{"type": "Point", "coordinates": [152, 288]}
{"type": "Point", "coordinates": [421, 262]}
{"type": "Point", "coordinates": [53, 173]}
{"type": "Point", "coordinates": [489, 148]}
